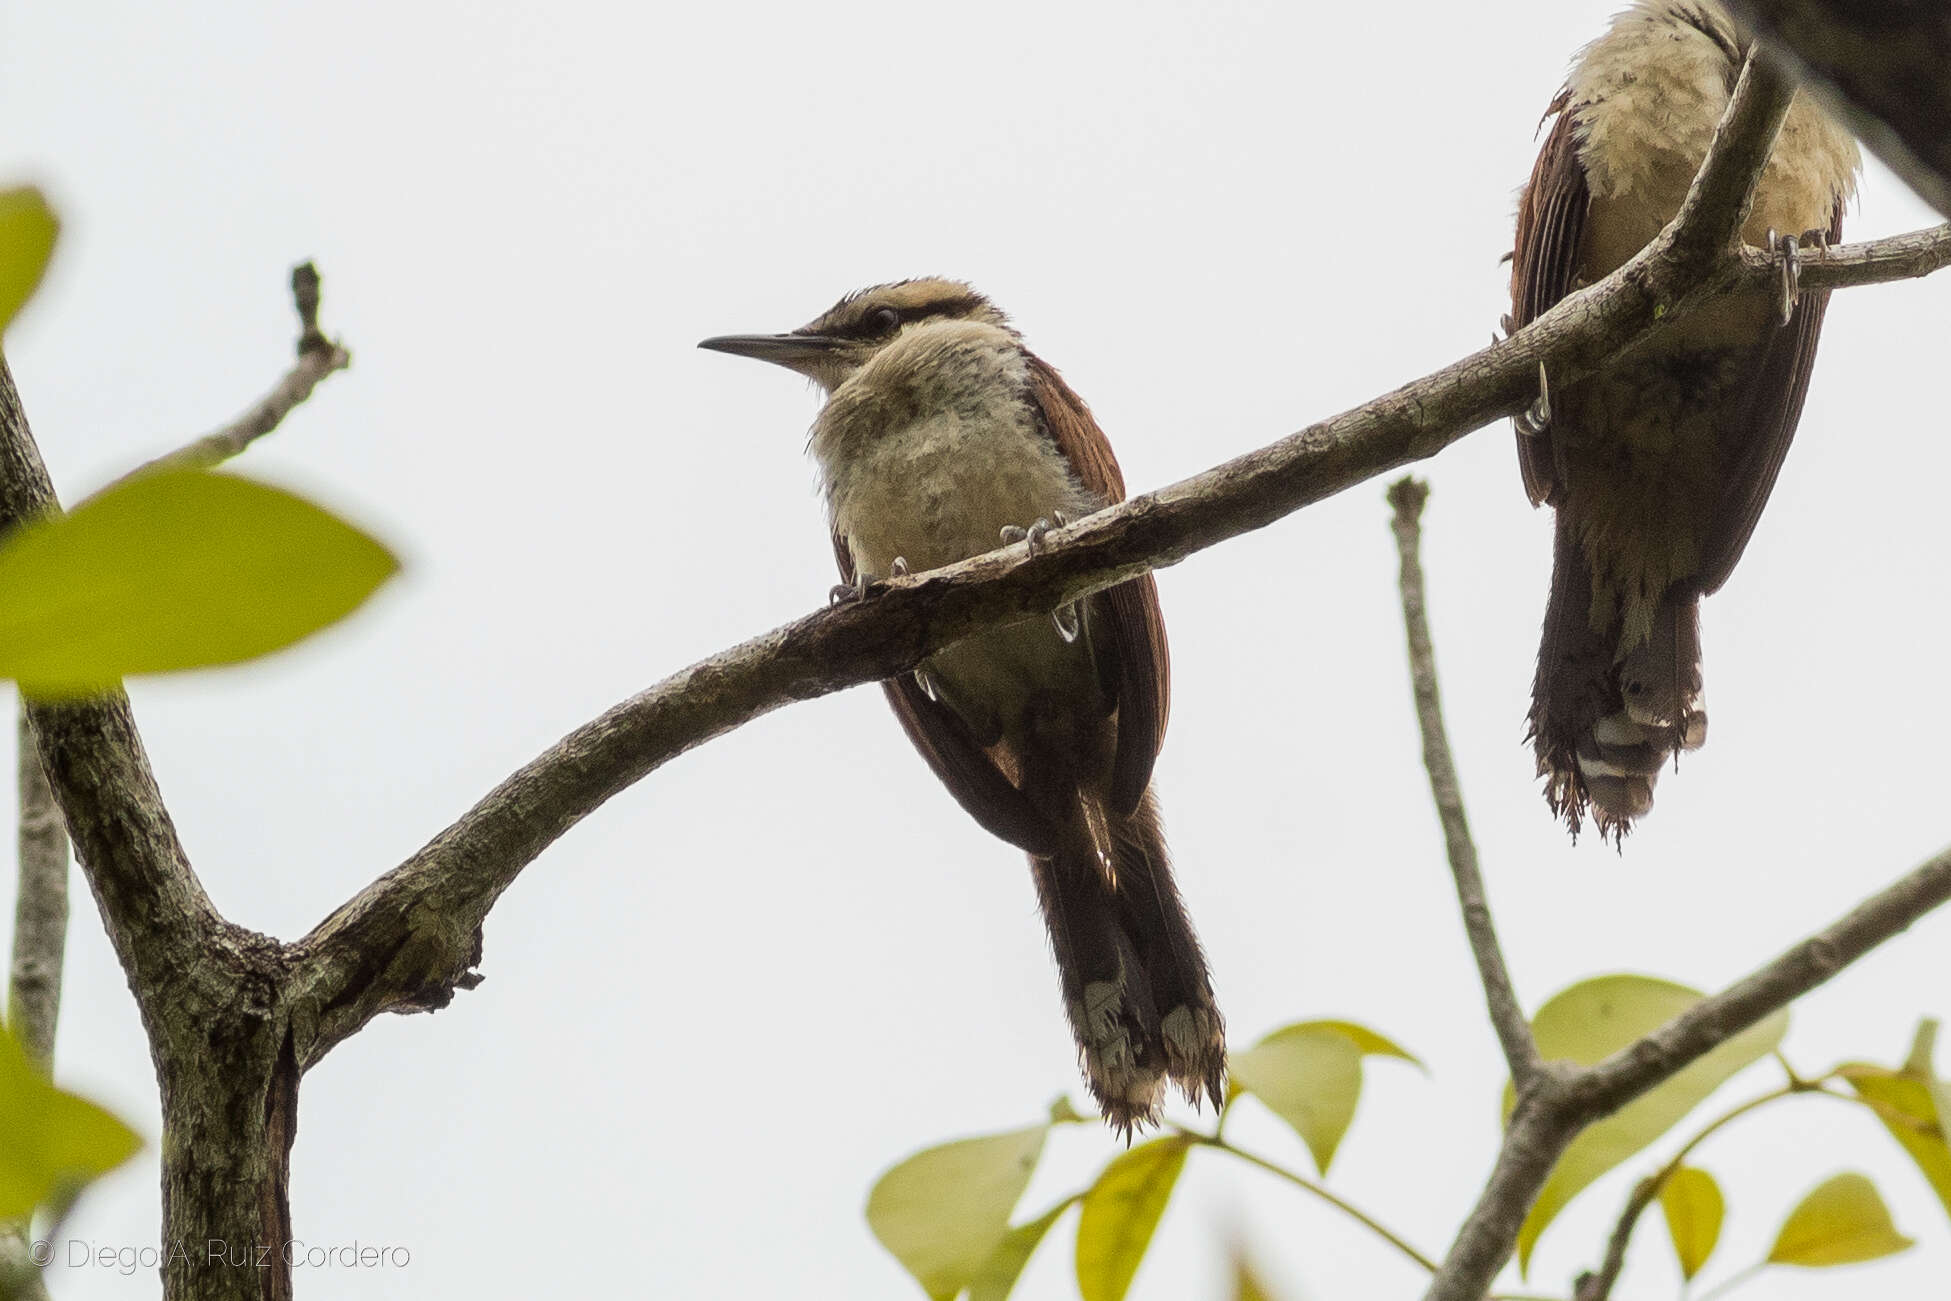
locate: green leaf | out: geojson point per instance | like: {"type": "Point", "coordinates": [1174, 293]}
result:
{"type": "Point", "coordinates": [1908, 1107]}
{"type": "Point", "coordinates": [1588, 1023]}
{"type": "Point", "coordinates": [1693, 1206]}
{"type": "Point", "coordinates": [1371, 1043]}
{"type": "Point", "coordinates": [1120, 1212]}
{"type": "Point", "coordinates": [177, 569]}
{"type": "Point", "coordinates": [1310, 1075]}
{"type": "Point", "coordinates": [51, 1142]}
{"type": "Point", "coordinates": [1247, 1284]}
{"type": "Point", "coordinates": [1063, 1113]}
{"type": "Point", "coordinates": [999, 1273]}
{"type": "Point", "coordinates": [944, 1211]}
{"type": "Point", "coordinates": [28, 228]}
{"type": "Point", "coordinates": [1842, 1222]}
{"type": "Point", "coordinates": [1923, 1047]}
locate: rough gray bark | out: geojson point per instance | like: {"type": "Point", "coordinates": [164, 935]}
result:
{"type": "Point", "coordinates": [1880, 65]}
{"type": "Point", "coordinates": [34, 975]}
{"type": "Point", "coordinates": [40, 910]}
{"type": "Point", "coordinates": [211, 994]}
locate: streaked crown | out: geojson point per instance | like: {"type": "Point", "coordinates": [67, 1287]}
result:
{"type": "Point", "coordinates": [837, 343]}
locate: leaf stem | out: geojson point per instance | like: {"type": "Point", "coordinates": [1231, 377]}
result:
{"type": "Point", "coordinates": [1732, 1281]}
{"type": "Point", "coordinates": [1302, 1182]}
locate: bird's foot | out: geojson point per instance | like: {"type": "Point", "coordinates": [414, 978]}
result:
{"type": "Point", "coordinates": [1033, 535]}
{"type": "Point", "coordinates": [863, 584]}
{"type": "Point", "coordinates": [1788, 252]}
{"type": "Point", "coordinates": [1068, 618]}
{"type": "Point", "coordinates": [1536, 418]}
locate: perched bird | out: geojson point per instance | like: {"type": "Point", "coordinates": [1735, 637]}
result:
{"type": "Point", "coordinates": [1659, 464]}
{"type": "Point", "coordinates": [943, 437]}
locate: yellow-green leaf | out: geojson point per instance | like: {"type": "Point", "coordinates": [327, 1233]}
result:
{"type": "Point", "coordinates": [1120, 1212]}
{"type": "Point", "coordinates": [1588, 1023]}
{"type": "Point", "coordinates": [944, 1211]}
{"type": "Point", "coordinates": [1063, 1113]}
{"type": "Point", "coordinates": [51, 1142]}
{"type": "Point", "coordinates": [1907, 1107]}
{"type": "Point", "coordinates": [998, 1275]}
{"type": "Point", "coordinates": [174, 570]}
{"type": "Point", "coordinates": [1840, 1223]}
{"type": "Point", "coordinates": [1923, 1047]}
{"type": "Point", "coordinates": [1693, 1206]}
{"type": "Point", "coordinates": [1247, 1284]}
{"type": "Point", "coordinates": [1370, 1042]}
{"type": "Point", "coordinates": [28, 228]}
{"type": "Point", "coordinates": [1310, 1075]}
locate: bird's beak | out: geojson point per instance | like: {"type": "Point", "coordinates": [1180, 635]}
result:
{"type": "Point", "coordinates": [796, 352]}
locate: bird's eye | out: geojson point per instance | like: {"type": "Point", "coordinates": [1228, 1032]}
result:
{"type": "Point", "coordinates": [883, 320]}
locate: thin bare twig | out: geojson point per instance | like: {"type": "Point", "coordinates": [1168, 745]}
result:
{"type": "Point", "coordinates": [318, 357]}
{"type": "Point", "coordinates": [1545, 1120]}
{"type": "Point", "coordinates": [1407, 496]}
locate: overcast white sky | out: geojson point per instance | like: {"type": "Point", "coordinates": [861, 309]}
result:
{"type": "Point", "coordinates": [720, 1007]}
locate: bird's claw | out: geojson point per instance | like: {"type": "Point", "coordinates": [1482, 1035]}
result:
{"type": "Point", "coordinates": [844, 593]}
{"type": "Point", "coordinates": [1789, 250]}
{"type": "Point", "coordinates": [1536, 418]}
{"type": "Point", "coordinates": [1033, 535]}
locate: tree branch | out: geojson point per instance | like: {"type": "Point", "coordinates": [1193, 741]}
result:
{"type": "Point", "coordinates": [34, 983]}
{"type": "Point", "coordinates": [40, 910]}
{"type": "Point", "coordinates": [156, 911]}
{"type": "Point", "coordinates": [154, 907]}
{"type": "Point", "coordinates": [1899, 257]}
{"type": "Point", "coordinates": [318, 357]}
{"type": "Point", "coordinates": [1407, 496]}
{"type": "Point", "coordinates": [1630, 1072]}
{"type": "Point", "coordinates": [408, 940]}
{"type": "Point", "coordinates": [210, 993]}
{"type": "Point", "coordinates": [1576, 1097]}
{"type": "Point", "coordinates": [1883, 67]}
{"type": "Point", "coordinates": [1563, 1099]}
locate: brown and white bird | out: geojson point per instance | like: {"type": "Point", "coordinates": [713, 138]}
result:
{"type": "Point", "coordinates": [1659, 465]}
{"type": "Point", "coordinates": [943, 437]}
